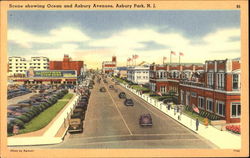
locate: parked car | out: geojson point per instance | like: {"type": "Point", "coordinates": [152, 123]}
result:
{"type": "Point", "coordinates": [145, 120]}
{"type": "Point", "coordinates": [122, 95]}
{"type": "Point", "coordinates": [117, 83]}
{"type": "Point", "coordinates": [129, 102]}
{"type": "Point", "coordinates": [103, 89]}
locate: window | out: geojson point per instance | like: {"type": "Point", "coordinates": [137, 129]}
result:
{"type": "Point", "coordinates": [10, 59]}
{"type": "Point", "coordinates": [220, 108]}
{"type": "Point", "coordinates": [201, 102]}
{"type": "Point", "coordinates": [210, 105]}
{"type": "Point", "coordinates": [235, 110]}
{"type": "Point", "coordinates": [10, 63]}
{"type": "Point", "coordinates": [16, 63]}
{"type": "Point", "coordinates": [187, 98]}
{"type": "Point", "coordinates": [210, 80]}
{"type": "Point", "coordinates": [235, 81]}
{"type": "Point", "coordinates": [220, 81]}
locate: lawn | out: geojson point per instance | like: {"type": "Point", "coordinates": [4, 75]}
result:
{"type": "Point", "coordinates": [139, 88]}
{"type": "Point", "coordinates": [46, 116]}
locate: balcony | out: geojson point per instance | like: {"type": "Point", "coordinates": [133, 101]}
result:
{"type": "Point", "coordinates": [192, 83]}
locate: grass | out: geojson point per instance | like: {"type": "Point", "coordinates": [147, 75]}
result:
{"type": "Point", "coordinates": [194, 115]}
{"type": "Point", "coordinates": [137, 87]}
{"type": "Point", "coordinates": [44, 118]}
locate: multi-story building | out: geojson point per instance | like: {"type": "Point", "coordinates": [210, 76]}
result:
{"type": "Point", "coordinates": [138, 74]}
{"type": "Point", "coordinates": [67, 64]}
{"type": "Point", "coordinates": [109, 66]}
{"type": "Point", "coordinates": [19, 66]}
{"type": "Point", "coordinates": [165, 78]}
{"type": "Point", "coordinates": [216, 91]}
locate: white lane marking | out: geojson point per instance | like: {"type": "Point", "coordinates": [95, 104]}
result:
{"type": "Point", "coordinates": [118, 111]}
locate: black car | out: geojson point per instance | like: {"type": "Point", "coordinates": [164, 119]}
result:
{"type": "Point", "coordinates": [111, 87]}
{"type": "Point", "coordinates": [122, 95]}
{"type": "Point", "coordinates": [145, 120]}
{"type": "Point", "coordinates": [129, 102]}
{"type": "Point", "coordinates": [103, 89]}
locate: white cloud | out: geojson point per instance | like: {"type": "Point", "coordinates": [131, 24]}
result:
{"type": "Point", "coordinates": [64, 34]}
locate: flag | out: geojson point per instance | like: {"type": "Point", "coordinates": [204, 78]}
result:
{"type": "Point", "coordinates": [159, 93]}
{"type": "Point", "coordinates": [172, 52]}
{"type": "Point", "coordinates": [181, 54]}
{"type": "Point", "coordinates": [135, 56]}
{"type": "Point", "coordinates": [164, 58]}
{"type": "Point", "coordinates": [195, 109]}
{"type": "Point", "coordinates": [129, 59]}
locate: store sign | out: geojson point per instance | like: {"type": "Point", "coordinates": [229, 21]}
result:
{"type": "Point", "coordinates": [51, 73]}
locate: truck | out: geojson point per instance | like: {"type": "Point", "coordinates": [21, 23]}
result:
{"type": "Point", "coordinates": [76, 122]}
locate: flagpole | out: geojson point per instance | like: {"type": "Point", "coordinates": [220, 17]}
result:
{"type": "Point", "coordinates": [170, 58]}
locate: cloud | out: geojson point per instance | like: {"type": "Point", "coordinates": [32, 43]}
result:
{"type": "Point", "coordinates": [64, 34]}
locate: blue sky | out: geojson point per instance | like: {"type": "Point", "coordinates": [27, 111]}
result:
{"type": "Point", "coordinates": [94, 36]}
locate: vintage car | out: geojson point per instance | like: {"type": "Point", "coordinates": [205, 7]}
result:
{"type": "Point", "coordinates": [103, 89]}
{"type": "Point", "coordinates": [122, 95]}
{"type": "Point", "coordinates": [145, 120]}
{"type": "Point", "coordinates": [129, 102]}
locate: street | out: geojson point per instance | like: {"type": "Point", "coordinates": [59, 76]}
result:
{"type": "Point", "coordinates": [110, 124]}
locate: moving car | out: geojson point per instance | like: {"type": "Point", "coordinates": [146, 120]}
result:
{"type": "Point", "coordinates": [111, 87]}
{"type": "Point", "coordinates": [103, 89]}
{"type": "Point", "coordinates": [122, 95]}
{"type": "Point", "coordinates": [145, 120]}
{"type": "Point", "coordinates": [129, 102]}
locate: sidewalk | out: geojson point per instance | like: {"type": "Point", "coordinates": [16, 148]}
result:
{"type": "Point", "coordinates": [218, 137]}
{"type": "Point", "coordinates": [48, 134]}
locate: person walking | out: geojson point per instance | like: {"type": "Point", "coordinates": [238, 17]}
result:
{"type": "Point", "coordinates": [175, 109]}
{"type": "Point", "coordinates": [197, 124]}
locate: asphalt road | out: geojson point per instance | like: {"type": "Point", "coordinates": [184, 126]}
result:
{"type": "Point", "coordinates": [111, 124]}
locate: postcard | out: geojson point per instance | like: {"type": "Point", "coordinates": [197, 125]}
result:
{"type": "Point", "coordinates": [124, 78]}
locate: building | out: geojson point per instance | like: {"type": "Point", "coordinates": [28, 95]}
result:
{"type": "Point", "coordinates": [109, 66]}
{"type": "Point", "coordinates": [217, 91]}
{"type": "Point", "coordinates": [67, 64]}
{"type": "Point", "coordinates": [138, 74]}
{"type": "Point", "coordinates": [18, 66]}
{"type": "Point", "coordinates": [121, 72]}
{"type": "Point", "coordinates": [166, 78]}
{"type": "Point", "coordinates": [53, 77]}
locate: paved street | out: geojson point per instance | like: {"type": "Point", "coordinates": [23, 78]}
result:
{"type": "Point", "coordinates": [111, 124]}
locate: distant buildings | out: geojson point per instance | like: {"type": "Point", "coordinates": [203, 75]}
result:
{"type": "Point", "coordinates": [109, 66]}
{"type": "Point", "coordinates": [67, 64]}
{"type": "Point", "coordinates": [121, 72]}
{"type": "Point", "coordinates": [18, 66]}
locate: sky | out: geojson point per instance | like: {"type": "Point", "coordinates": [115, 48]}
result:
{"type": "Point", "coordinates": [95, 36]}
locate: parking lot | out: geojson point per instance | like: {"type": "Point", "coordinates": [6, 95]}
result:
{"type": "Point", "coordinates": [110, 124]}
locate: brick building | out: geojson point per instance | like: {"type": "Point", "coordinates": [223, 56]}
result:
{"type": "Point", "coordinates": [67, 64]}
{"type": "Point", "coordinates": [213, 87]}
{"type": "Point", "coordinates": [109, 66]}
{"type": "Point", "coordinates": [218, 92]}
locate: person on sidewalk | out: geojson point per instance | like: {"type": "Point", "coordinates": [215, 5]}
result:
{"type": "Point", "coordinates": [175, 109]}
{"type": "Point", "coordinates": [206, 122]}
{"type": "Point", "coordinates": [197, 124]}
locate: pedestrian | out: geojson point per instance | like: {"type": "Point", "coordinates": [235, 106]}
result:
{"type": "Point", "coordinates": [178, 108]}
{"type": "Point", "coordinates": [175, 109]}
{"type": "Point", "coordinates": [169, 106]}
{"type": "Point", "coordinates": [197, 124]}
{"type": "Point", "coordinates": [206, 122]}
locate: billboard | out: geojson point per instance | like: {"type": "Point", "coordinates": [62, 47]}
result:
{"type": "Point", "coordinates": [51, 73]}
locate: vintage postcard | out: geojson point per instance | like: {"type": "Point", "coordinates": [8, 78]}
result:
{"type": "Point", "coordinates": [124, 78]}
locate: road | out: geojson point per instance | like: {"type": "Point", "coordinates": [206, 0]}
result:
{"type": "Point", "coordinates": [111, 124]}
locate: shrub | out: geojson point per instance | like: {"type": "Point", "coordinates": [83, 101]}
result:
{"type": "Point", "coordinates": [30, 116]}
{"type": "Point", "coordinates": [10, 127]}
{"type": "Point", "coordinates": [19, 123]}
{"type": "Point", "coordinates": [23, 118]}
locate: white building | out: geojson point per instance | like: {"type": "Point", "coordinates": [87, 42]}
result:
{"type": "Point", "coordinates": [138, 74]}
{"type": "Point", "coordinates": [19, 65]}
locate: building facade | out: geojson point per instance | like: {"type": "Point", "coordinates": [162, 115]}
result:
{"type": "Point", "coordinates": [19, 66]}
{"type": "Point", "coordinates": [138, 74]}
{"type": "Point", "coordinates": [67, 64]}
{"type": "Point", "coordinates": [218, 92]}
{"type": "Point", "coordinates": [109, 66]}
